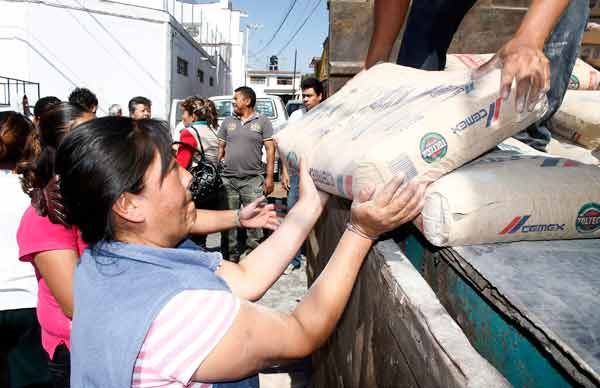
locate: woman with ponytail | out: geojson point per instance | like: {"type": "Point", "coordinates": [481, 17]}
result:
{"type": "Point", "coordinates": [200, 127]}
{"type": "Point", "coordinates": [52, 247]}
{"type": "Point", "coordinates": [24, 363]}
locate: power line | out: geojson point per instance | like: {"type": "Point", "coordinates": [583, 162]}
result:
{"type": "Point", "coordinates": [289, 11]}
{"type": "Point", "coordinates": [300, 28]}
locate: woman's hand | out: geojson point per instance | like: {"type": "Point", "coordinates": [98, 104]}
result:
{"type": "Point", "coordinates": [308, 192]}
{"type": "Point", "coordinates": [391, 207]}
{"type": "Point", "coordinates": [259, 214]}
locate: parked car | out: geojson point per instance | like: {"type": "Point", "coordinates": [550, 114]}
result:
{"type": "Point", "coordinates": [292, 106]}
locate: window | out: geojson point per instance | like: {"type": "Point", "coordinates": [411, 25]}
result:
{"type": "Point", "coordinates": [284, 80]}
{"type": "Point", "coordinates": [258, 80]}
{"type": "Point", "coordinates": [200, 75]}
{"type": "Point", "coordinates": [211, 81]}
{"type": "Point", "coordinates": [182, 66]}
{"type": "Point", "coordinates": [265, 107]}
{"type": "Point", "coordinates": [223, 108]}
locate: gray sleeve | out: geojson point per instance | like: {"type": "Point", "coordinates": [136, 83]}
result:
{"type": "Point", "coordinates": [267, 129]}
{"type": "Point", "coordinates": [222, 131]}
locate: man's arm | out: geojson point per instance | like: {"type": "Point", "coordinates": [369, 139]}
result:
{"type": "Point", "coordinates": [270, 147]}
{"type": "Point", "coordinates": [389, 16]}
{"type": "Point", "coordinates": [221, 154]}
{"type": "Point", "coordinates": [522, 58]}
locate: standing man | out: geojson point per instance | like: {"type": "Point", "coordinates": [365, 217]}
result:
{"type": "Point", "coordinates": [312, 95]}
{"type": "Point", "coordinates": [539, 57]}
{"type": "Point", "coordinates": [85, 99]}
{"type": "Point", "coordinates": [140, 108]}
{"type": "Point", "coordinates": [241, 138]}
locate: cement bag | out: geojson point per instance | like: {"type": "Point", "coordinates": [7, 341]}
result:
{"type": "Point", "coordinates": [506, 196]}
{"type": "Point", "coordinates": [578, 118]}
{"type": "Point", "coordinates": [583, 77]}
{"type": "Point", "coordinates": [557, 147]}
{"type": "Point", "coordinates": [456, 62]}
{"type": "Point", "coordinates": [565, 149]}
{"type": "Point", "coordinates": [393, 119]}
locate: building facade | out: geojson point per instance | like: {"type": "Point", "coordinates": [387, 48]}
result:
{"type": "Point", "coordinates": [116, 49]}
{"type": "Point", "coordinates": [284, 84]}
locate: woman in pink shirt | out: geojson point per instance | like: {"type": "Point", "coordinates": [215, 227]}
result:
{"type": "Point", "coordinates": [52, 248]}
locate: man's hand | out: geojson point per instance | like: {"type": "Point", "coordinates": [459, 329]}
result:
{"type": "Point", "coordinates": [269, 185]}
{"type": "Point", "coordinates": [526, 63]}
{"type": "Point", "coordinates": [259, 214]}
{"type": "Point", "coordinates": [284, 177]}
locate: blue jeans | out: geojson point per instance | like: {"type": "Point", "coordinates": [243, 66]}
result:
{"type": "Point", "coordinates": [292, 198]}
{"type": "Point", "coordinates": [431, 25]}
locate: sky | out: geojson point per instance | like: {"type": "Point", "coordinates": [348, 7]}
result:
{"type": "Point", "coordinates": [270, 14]}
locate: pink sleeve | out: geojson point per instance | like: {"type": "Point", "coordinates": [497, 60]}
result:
{"type": "Point", "coordinates": [38, 234]}
{"type": "Point", "coordinates": [182, 335]}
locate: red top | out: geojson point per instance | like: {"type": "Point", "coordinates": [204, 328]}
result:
{"type": "Point", "coordinates": [184, 154]}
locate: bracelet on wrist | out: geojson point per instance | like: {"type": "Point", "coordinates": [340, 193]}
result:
{"type": "Point", "coordinates": [237, 220]}
{"type": "Point", "coordinates": [352, 228]}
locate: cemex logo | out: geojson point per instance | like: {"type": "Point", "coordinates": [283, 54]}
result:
{"type": "Point", "coordinates": [491, 116]}
{"type": "Point", "coordinates": [494, 113]}
{"type": "Point", "coordinates": [344, 185]}
{"type": "Point", "coordinates": [588, 218]}
{"type": "Point", "coordinates": [518, 225]}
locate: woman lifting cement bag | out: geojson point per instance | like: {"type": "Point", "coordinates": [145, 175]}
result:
{"type": "Point", "coordinates": [152, 308]}
{"type": "Point", "coordinates": [393, 119]}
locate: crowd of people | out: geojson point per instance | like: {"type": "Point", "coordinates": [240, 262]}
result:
{"type": "Point", "coordinates": [106, 280]}
{"type": "Point", "coordinates": [113, 283]}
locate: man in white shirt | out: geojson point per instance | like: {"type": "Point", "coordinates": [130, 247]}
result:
{"type": "Point", "coordinates": [312, 95]}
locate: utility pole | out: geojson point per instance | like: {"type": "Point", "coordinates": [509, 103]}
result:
{"type": "Point", "coordinates": [248, 28]}
{"type": "Point", "coordinates": [294, 79]}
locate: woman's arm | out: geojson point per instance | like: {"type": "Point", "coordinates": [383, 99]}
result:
{"type": "Point", "coordinates": [257, 214]}
{"type": "Point", "coordinates": [254, 275]}
{"type": "Point", "coordinates": [58, 268]}
{"type": "Point", "coordinates": [260, 337]}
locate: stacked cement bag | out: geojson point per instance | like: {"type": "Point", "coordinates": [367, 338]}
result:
{"type": "Point", "coordinates": [583, 77]}
{"type": "Point", "coordinates": [395, 120]}
{"type": "Point", "coordinates": [456, 62]}
{"type": "Point", "coordinates": [578, 118]}
{"type": "Point", "coordinates": [509, 196]}
{"type": "Point", "coordinates": [564, 148]}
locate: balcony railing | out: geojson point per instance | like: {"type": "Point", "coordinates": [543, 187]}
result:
{"type": "Point", "coordinates": [12, 91]}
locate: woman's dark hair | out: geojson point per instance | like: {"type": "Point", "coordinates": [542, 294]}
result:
{"type": "Point", "coordinates": [44, 104]}
{"type": "Point", "coordinates": [213, 119]}
{"type": "Point", "coordinates": [53, 126]}
{"type": "Point", "coordinates": [18, 140]}
{"type": "Point", "coordinates": [103, 159]}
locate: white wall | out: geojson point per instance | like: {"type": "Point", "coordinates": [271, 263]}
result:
{"type": "Point", "coordinates": [117, 51]}
{"type": "Point", "coordinates": [270, 86]}
{"type": "Point", "coordinates": [62, 48]}
{"type": "Point", "coordinates": [217, 23]}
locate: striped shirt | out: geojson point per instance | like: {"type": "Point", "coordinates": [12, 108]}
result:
{"type": "Point", "coordinates": [183, 334]}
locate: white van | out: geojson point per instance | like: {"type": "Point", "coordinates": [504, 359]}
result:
{"type": "Point", "coordinates": [267, 105]}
